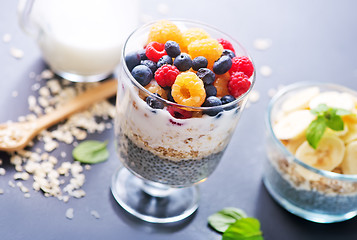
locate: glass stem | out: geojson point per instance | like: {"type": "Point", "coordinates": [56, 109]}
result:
{"type": "Point", "coordinates": [156, 189]}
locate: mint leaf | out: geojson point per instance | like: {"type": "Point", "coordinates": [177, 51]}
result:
{"type": "Point", "coordinates": [320, 109]}
{"type": "Point", "coordinates": [244, 229]}
{"type": "Point", "coordinates": [221, 220]}
{"type": "Point", "coordinates": [315, 131]}
{"type": "Point", "coordinates": [91, 152]}
{"type": "Point", "coordinates": [342, 112]}
{"type": "Point", "coordinates": [335, 122]}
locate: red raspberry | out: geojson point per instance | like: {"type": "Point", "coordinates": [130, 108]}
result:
{"type": "Point", "coordinates": [154, 51]}
{"type": "Point", "coordinates": [178, 113]}
{"type": "Point", "coordinates": [238, 84]}
{"type": "Point", "coordinates": [242, 64]}
{"type": "Point", "coordinates": [166, 75]}
{"type": "Point", "coordinates": [226, 44]}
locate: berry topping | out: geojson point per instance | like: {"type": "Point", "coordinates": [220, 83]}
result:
{"type": "Point", "coordinates": [229, 53]}
{"type": "Point", "coordinates": [208, 48]}
{"type": "Point", "coordinates": [172, 49]}
{"type": "Point", "coordinates": [188, 90]}
{"type": "Point", "coordinates": [163, 31]}
{"type": "Point", "coordinates": [193, 34]}
{"type": "Point", "coordinates": [142, 74]}
{"type": "Point", "coordinates": [155, 88]}
{"type": "Point", "coordinates": [142, 54]}
{"type": "Point", "coordinates": [212, 101]}
{"type": "Point", "coordinates": [178, 113]}
{"type": "Point", "coordinates": [199, 62]}
{"type": "Point", "coordinates": [206, 75]}
{"type": "Point", "coordinates": [154, 51]}
{"type": "Point", "coordinates": [132, 59]}
{"type": "Point", "coordinates": [222, 65]}
{"type": "Point", "coordinates": [150, 64]}
{"type": "Point", "coordinates": [183, 62]}
{"type": "Point", "coordinates": [221, 84]}
{"type": "Point", "coordinates": [155, 102]}
{"type": "Point", "coordinates": [238, 84]}
{"type": "Point", "coordinates": [227, 99]}
{"type": "Point", "coordinates": [164, 60]}
{"type": "Point", "coordinates": [210, 90]}
{"type": "Point", "coordinates": [242, 64]}
{"type": "Point", "coordinates": [165, 75]}
{"type": "Point", "coordinates": [226, 44]}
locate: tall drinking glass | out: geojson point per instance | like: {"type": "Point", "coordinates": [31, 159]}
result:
{"type": "Point", "coordinates": [163, 156]}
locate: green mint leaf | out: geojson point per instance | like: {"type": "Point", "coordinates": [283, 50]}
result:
{"type": "Point", "coordinates": [315, 131]}
{"type": "Point", "coordinates": [91, 152]}
{"type": "Point", "coordinates": [244, 229]}
{"type": "Point", "coordinates": [342, 112]}
{"type": "Point", "coordinates": [319, 110]}
{"type": "Point", "coordinates": [221, 220]}
{"type": "Point", "coordinates": [335, 122]}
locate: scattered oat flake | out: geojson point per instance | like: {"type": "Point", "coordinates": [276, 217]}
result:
{"type": "Point", "coordinates": [70, 213]}
{"type": "Point", "coordinates": [265, 71]}
{"type": "Point", "coordinates": [27, 195]}
{"type": "Point", "coordinates": [35, 87]}
{"type": "Point", "coordinates": [11, 184]}
{"type": "Point", "coordinates": [262, 43]}
{"type": "Point", "coordinates": [95, 214]}
{"type": "Point", "coordinates": [2, 171]}
{"type": "Point", "coordinates": [16, 53]}
{"type": "Point", "coordinates": [6, 38]}
{"type": "Point", "coordinates": [47, 74]}
{"type": "Point", "coordinates": [1, 191]}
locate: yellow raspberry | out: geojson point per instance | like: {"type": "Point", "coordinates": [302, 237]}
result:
{"type": "Point", "coordinates": [221, 84]}
{"type": "Point", "coordinates": [209, 48]}
{"type": "Point", "coordinates": [163, 31]}
{"type": "Point", "coordinates": [188, 90]}
{"type": "Point", "coordinates": [191, 35]}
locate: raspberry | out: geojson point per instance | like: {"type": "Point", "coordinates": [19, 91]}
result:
{"type": "Point", "coordinates": [193, 34]}
{"type": "Point", "coordinates": [163, 31]}
{"type": "Point", "coordinates": [238, 84]}
{"type": "Point", "coordinates": [178, 113]}
{"type": "Point", "coordinates": [221, 84]}
{"type": "Point", "coordinates": [154, 51]}
{"type": "Point", "coordinates": [208, 48]}
{"type": "Point", "coordinates": [188, 90]}
{"type": "Point", "coordinates": [226, 44]}
{"type": "Point", "coordinates": [242, 64]}
{"type": "Point", "coordinates": [165, 75]}
{"type": "Point", "coordinates": [155, 88]}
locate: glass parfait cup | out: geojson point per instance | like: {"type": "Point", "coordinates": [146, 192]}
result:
{"type": "Point", "coordinates": [164, 156]}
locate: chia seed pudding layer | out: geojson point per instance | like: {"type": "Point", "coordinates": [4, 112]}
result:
{"type": "Point", "coordinates": [174, 173]}
{"type": "Point", "coordinates": [319, 195]}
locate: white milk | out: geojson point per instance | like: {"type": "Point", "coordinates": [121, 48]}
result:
{"type": "Point", "coordinates": [83, 37]}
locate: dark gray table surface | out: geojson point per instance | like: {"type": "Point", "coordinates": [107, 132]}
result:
{"type": "Point", "coordinates": [311, 41]}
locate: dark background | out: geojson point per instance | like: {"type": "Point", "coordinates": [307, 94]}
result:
{"type": "Point", "coordinates": [312, 41]}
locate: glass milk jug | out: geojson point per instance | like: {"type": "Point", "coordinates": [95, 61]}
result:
{"type": "Point", "coordinates": [80, 40]}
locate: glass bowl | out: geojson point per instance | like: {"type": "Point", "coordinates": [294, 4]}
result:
{"type": "Point", "coordinates": [313, 194]}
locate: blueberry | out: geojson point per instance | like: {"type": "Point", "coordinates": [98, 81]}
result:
{"type": "Point", "coordinates": [183, 62]}
{"type": "Point", "coordinates": [172, 49]}
{"type": "Point", "coordinates": [164, 60]}
{"type": "Point", "coordinates": [206, 75]}
{"type": "Point", "coordinates": [215, 102]}
{"type": "Point", "coordinates": [142, 74]}
{"type": "Point", "coordinates": [142, 53]}
{"type": "Point", "coordinates": [154, 102]}
{"type": "Point", "coordinates": [227, 99]}
{"type": "Point", "coordinates": [199, 62]}
{"type": "Point", "coordinates": [150, 64]}
{"type": "Point", "coordinates": [169, 96]}
{"type": "Point", "coordinates": [132, 59]}
{"type": "Point", "coordinates": [229, 53]}
{"type": "Point", "coordinates": [210, 90]}
{"type": "Point", "coordinates": [222, 65]}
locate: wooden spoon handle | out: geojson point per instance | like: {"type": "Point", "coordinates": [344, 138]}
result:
{"type": "Point", "coordinates": [81, 102]}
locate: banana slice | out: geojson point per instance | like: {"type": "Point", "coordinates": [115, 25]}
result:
{"type": "Point", "coordinates": [293, 144]}
{"type": "Point", "coordinates": [333, 99]}
{"type": "Point", "coordinates": [351, 135]}
{"type": "Point", "coordinates": [293, 125]}
{"type": "Point", "coordinates": [328, 155]}
{"type": "Point", "coordinates": [349, 163]}
{"type": "Point", "coordinates": [339, 133]}
{"type": "Point", "coordinates": [300, 100]}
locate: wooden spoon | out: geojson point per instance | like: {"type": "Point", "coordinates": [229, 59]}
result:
{"type": "Point", "coordinates": [15, 136]}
